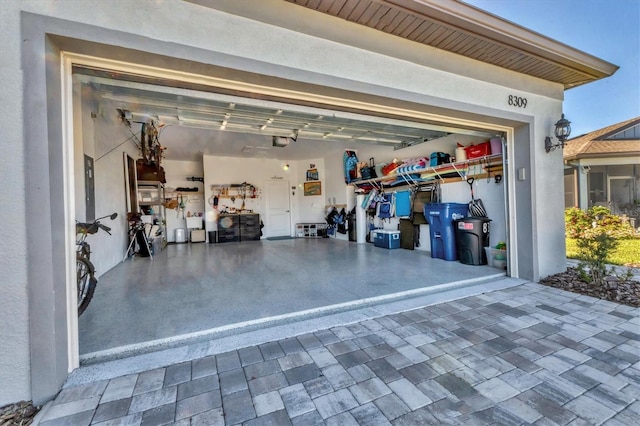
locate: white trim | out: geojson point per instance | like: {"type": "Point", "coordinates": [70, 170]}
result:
{"type": "Point", "coordinates": [73, 347]}
{"type": "Point", "coordinates": [610, 178]}
{"type": "Point", "coordinates": [510, 214]}
{"type": "Point", "coordinates": [609, 161]}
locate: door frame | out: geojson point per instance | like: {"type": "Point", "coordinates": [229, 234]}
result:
{"type": "Point", "coordinates": [610, 178]}
{"type": "Point", "coordinates": [69, 59]}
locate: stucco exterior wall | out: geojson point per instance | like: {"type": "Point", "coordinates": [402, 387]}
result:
{"type": "Point", "coordinates": [409, 74]}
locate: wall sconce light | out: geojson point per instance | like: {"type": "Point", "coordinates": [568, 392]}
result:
{"type": "Point", "coordinates": [562, 132]}
{"type": "Point", "coordinates": [285, 167]}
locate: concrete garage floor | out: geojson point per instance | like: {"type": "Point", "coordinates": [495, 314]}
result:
{"type": "Point", "coordinates": [193, 292]}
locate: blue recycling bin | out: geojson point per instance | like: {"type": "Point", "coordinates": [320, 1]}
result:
{"type": "Point", "coordinates": [443, 237]}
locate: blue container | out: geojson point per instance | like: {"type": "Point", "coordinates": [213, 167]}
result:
{"type": "Point", "coordinates": [437, 158]}
{"type": "Point", "coordinates": [441, 230]}
{"type": "Point", "coordinates": [387, 239]}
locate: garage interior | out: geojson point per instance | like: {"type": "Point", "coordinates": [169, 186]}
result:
{"type": "Point", "coordinates": [189, 291]}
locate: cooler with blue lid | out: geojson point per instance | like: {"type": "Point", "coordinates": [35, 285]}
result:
{"type": "Point", "coordinates": [386, 239]}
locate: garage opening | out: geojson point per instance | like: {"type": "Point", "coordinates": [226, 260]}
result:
{"type": "Point", "coordinates": [256, 213]}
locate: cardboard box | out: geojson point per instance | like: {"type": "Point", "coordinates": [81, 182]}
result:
{"type": "Point", "coordinates": [198, 236]}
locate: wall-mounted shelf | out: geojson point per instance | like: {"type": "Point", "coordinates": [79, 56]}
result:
{"type": "Point", "coordinates": [478, 168]}
{"type": "Point", "coordinates": [185, 192]}
{"type": "Point", "coordinates": [235, 191]}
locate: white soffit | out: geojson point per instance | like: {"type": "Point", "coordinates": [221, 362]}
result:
{"type": "Point", "coordinates": [449, 25]}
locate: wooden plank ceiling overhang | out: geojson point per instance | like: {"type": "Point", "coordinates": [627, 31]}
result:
{"type": "Point", "coordinates": [459, 28]}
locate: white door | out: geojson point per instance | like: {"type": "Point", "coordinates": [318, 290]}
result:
{"type": "Point", "coordinates": [278, 209]}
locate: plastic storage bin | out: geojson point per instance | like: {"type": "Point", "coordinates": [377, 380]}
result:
{"type": "Point", "coordinates": [496, 145]}
{"type": "Point", "coordinates": [496, 258]}
{"type": "Point", "coordinates": [386, 239]}
{"type": "Point", "coordinates": [480, 150]}
{"type": "Point", "coordinates": [472, 236]}
{"type": "Point", "coordinates": [441, 217]}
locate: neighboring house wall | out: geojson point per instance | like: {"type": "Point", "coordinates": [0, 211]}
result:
{"type": "Point", "coordinates": [38, 187]}
{"type": "Point", "coordinates": [605, 169]}
{"type": "Point", "coordinates": [616, 186]}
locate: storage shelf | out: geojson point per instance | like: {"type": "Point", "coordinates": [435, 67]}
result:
{"type": "Point", "coordinates": [185, 192]}
{"type": "Point", "coordinates": [494, 161]}
{"type": "Point", "coordinates": [154, 192]}
{"type": "Point", "coordinates": [238, 191]}
{"type": "Point", "coordinates": [311, 230]}
{"type": "Point", "coordinates": [154, 183]}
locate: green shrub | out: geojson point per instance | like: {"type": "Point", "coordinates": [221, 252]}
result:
{"type": "Point", "coordinates": [576, 222]}
{"type": "Point", "coordinates": [594, 249]}
{"type": "Point", "coordinates": [626, 254]}
{"type": "Point", "coordinates": [597, 234]}
{"type": "Point", "coordinates": [593, 222]}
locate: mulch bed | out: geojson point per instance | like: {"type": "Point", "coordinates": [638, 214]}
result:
{"type": "Point", "coordinates": [614, 290]}
{"type": "Point", "coordinates": [20, 413]}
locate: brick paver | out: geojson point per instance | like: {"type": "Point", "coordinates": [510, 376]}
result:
{"type": "Point", "coordinates": [523, 355]}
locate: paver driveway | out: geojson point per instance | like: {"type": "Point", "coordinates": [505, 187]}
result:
{"type": "Point", "coordinates": [525, 355]}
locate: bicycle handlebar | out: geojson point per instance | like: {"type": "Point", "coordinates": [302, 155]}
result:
{"type": "Point", "coordinates": [92, 228]}
{"type": "Point", "coordinates": [105, 228]}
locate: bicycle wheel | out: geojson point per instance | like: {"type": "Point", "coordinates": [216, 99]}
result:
{"type": "Point", "coordinates": [86, 283]}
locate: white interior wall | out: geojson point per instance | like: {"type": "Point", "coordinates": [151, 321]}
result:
{"type": "Point", "coordinates": [311, 208]}
{"type": "Point", "coordinates": [176, 173]}
{"type": "Point", "coordinates": [230, 170]}
{"type": "Point", "coordinates": [99, 134]}
{"type": "Point", "coordinates": [112, 139]}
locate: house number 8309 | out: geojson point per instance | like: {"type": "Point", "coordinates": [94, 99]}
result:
{"type": "Point", "coordinates": [517, 101]}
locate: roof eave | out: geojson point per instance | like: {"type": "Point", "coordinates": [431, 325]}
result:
{"type": "Point", "coordinates": [483, 23]}
{"type": "Point", "coordinates": [580, 156]}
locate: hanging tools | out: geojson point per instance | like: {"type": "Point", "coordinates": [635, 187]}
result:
{"type": "Point", "coordinates": [476, 207]}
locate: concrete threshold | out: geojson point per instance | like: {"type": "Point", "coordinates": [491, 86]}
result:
{"type": "Point", "coordinates": [144, 356]}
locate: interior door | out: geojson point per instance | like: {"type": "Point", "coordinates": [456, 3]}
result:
{"type": "Point", "coordinates": [278, 222]}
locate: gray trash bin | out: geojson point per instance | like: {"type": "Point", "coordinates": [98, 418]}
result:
{"type": "Point", "coordinates": [472, 236]}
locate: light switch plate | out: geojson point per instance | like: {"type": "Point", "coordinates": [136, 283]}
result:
{"type": "Point", "coordinates": [522, 173]}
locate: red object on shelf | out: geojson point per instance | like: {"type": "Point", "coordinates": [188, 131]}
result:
{"type": "Point", "coordinates": [480, 150]}
{"type": "Point", "coordinates": [386, 170]}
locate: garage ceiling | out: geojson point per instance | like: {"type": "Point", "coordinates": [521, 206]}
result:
{"type": "Point", "coordinates": [195, 123]}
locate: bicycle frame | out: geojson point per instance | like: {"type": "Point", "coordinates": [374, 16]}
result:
{"type": "Point", "coordinates": [86, 281]}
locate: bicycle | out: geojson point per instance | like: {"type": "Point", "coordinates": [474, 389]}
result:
{"type": "Point", "coordinates": [85, 271]}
